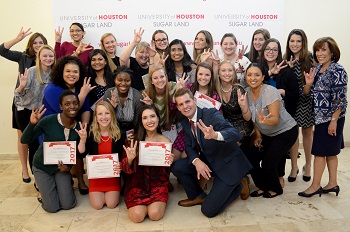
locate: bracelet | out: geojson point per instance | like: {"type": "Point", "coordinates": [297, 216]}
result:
{"type": "Point", "coordinates": [245, 112]}
{"type": "Point", "coordinates": [334, 119]}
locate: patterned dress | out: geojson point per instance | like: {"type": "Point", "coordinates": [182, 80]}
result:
{"type": "Point", "coordinates": [304, 114]}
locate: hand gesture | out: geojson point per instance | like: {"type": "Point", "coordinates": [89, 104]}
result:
{"type": "Point", "coordinates": [258, 142]}
{"type": "Point", "coordinates": [113, 100]}
{"type": "Point", "coordinates": [131, 151]}
{"type": "Point", "coordinates": [277, 68]}
{"type": "Point", "coordinates": [36, 115]}
{"type": "Point", "coordinates": [162, 59]}
{"type": "Point", "coordinates": [242, 51]}
{"type": "Point", "coordinates": [22, 34]}
{"type": "Point", "coordinates": [208, 132]}
{"type": "Point", "coordinates": [205, 55]}
{"type": "Point", "coordinates": [82, 48]}
{"type": "Point", "coordinates": [181, 82]}
{"type": "Point", "coordinates": [261, 117]}
{"type": "Point", "coordinates": [242, 99]}
{"type": "Point", "coordinates": [138, 35]}
{"type": "Point", "coordinates": [202, 169]}
{"type": "Point", "coordinates": [58, 34]}
{"type": "Point", "coordinates": [23, 78]}
{"type": "Point", "coordinates": [291, 62]}
{"type": "Point", "coordinates": [62, 167]}
{"type": "Point", "coordinates": [86, 88]}
{"type": "Point", "coordinates": [82, 132]}
{"type": "Point", "coordinates": [146, 99]}
{"type": "Point", "coordinates": [310, 77]}
{"type": "Point", "coordinates": [152, 49]}
{"type": "Point", "coordinates": [215, 57]}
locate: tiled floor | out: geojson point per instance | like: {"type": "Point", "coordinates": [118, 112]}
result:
{"type": "Point", "coordinates": [20, 211]}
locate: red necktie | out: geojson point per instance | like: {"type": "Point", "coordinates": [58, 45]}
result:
{"type": "Point", "coordinates": [195, 137]}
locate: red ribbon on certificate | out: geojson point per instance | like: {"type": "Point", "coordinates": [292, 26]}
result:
{"type": "Point", "coordinates": [102, 157]}
{"type": "Point", "coordinates": [207, 98]}
{"type": "Point", "coordinates": [59, 143]}
{"type": "Point", "coordinates": [156, 145]}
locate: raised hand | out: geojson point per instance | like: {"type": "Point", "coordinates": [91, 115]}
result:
{"type": "Point", "coordinates": [291, 62]}
{"type": "Point", "coordinates": [58, 34]}
{"type": "Point", "coordinates": [242, 99]}
{"type": "Point", "coordinates": [181, 82]}
{"type": "Point", "coordinates": [113, 100]}
{"type": "Point", "coordinates": [162, 59]}
{"type": "Point", "coordinates": [215, 57]}
{"type": "Point", "coordinates": [82, 132]}
{"type": "Point", "coordinates": [261, 117]}
{"type": "Point", "coordinates": [205, 55]}
{"type": "Point", "coordinates": [138, 35]}
{"type": "Point", "coordinates": [37, 114]}
{"type": "Point", "coordinates": [278, 67]}
{"type": "Point", "coordinates": [131, 151]}
{"type": "Point", "coordinates": [82, 48]}
{"type": "Point", "coordinates": [208, 132]}
{"type": "Point", "coordinates": [86, 88]}
{"type": "Point", "coordinates": [310, 77]}
{"type": "Point", "coordinates": [22, 34]}
{"type": "Point", "coordinates": [242, 51]}
{"type": "Point", "coordinates": [23, 79]}
{"type": "Point", "coordinates": [146, 99]}
{"type": "Point", "coordinates": [152, 49]}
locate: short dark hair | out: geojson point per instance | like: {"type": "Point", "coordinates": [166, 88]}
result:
{"type": "Point", "coordinates": [181, 92]}
{"type": "Point", "coordinates": [123, 69]}
{"type": "Point", "coordinates": [78, 25]}
{"type": "Point", "coordinates": [333, 47]}
{"type": "Point", "coordinates": [65, 93]}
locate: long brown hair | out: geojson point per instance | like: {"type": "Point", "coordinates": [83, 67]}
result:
{"type": "Point", "coordinates": [208, 40]}
{"type": "Point", "coordinates": [29, 49]}
{"type": "Point", "coordinates": [253, 53]}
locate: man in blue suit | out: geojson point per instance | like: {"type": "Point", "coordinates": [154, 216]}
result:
{"type": "Point", "coordinates": [212, 151]}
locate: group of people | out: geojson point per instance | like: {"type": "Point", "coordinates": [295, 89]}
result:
{"type": "Point", "coordinates": [109, 104]}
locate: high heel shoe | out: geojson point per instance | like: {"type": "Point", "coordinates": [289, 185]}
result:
{"type": "Point", "coordinates": [335, 189]}
{"type": "Point", "coordinates": [306, 178]}
{"type": "Point", "coordinates": [292, 179]}
{"type": "Point", "coordinates": [318, 191]}
{"type": "Point", "coordinates": [26, 180]}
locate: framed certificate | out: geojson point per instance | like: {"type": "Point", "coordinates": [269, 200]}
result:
{"type": "Point", "coordinates": [102, 166]}
{"type": "Point", "coordinates": [60, 150]}
{"type": "Point", "coordinates": [204, 101]}
{"type": "Point", "coordinates": [154, 153]}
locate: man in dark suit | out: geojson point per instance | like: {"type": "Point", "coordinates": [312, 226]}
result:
{"type": "Point", "coordinates": [212, 150]}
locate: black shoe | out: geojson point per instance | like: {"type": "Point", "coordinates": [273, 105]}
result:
{"type": "Point", "coordinates": [256, 193]}
{"type": "Point", "coordinates": [26, 180]}
{"type": "Point", "coordinates": [269, 195]}
{"type": "Point", "coordinates": [292, 179]}
{"type": "Point", "coordinates": [303, 194]}
{"type": "Point", "coordinates": [39, 199]}
{"type": "Point", "coordinates": [83, 191]}
{"type": "Point", "coordinates": [335, 189]}
{"type": "Point", "coordinates": [306, 178]}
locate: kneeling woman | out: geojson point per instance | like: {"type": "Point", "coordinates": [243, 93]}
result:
{"type": "Point", "coordinates": [146, 190]}
{"type": "Point", "coordinates": [104, 138]}
{"type": "Point", "coordinates": [54, 181]}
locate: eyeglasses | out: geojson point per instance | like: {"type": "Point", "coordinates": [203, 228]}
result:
{"type": "Point", "coordinates": [76, 31]}
{"type": "Point", "coordinates": [161, 40]}
{"type": "Point", "coordinates": [271, 49]}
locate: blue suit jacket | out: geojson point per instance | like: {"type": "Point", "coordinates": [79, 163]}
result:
{"type": "Point", "coordinates": [226, 159]}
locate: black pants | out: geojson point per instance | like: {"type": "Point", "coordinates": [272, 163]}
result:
{"type": "Point", "coordinates": [266, 175]}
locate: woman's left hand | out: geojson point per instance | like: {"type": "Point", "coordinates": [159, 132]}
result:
{"type": "Point", "coordinates": [278, 67]}
{"type": "Point", "coordinates": [82, 48]}
{"type": "Point", "coordinates": [82, 132]}
{"type": "Point", "coordinates": [146, 99]}
{"type": "Point", "coordinates": [261, 117]}
{"type": "Point", "coordinates": [181, 82]}
{"type": "Point", "coordinates": [242, 51]}
{"type": "Point", "coordinates": [86, 88]}
{"type": "Point", "coordinates": [63, 167]}
{"type": "Point", "coordinates": [332, 128]}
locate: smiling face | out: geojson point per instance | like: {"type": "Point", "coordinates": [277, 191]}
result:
{"type": "Point", "coordinates": [46, 57]}
{"type": "Point", "coordinates": [271, 52]}
{"type": "Point", "coordinates": [142, 56]}
{"type": "Point", "coordinates": [324, 55]}
{"type": "Point", "coordinates": [150, 120]}
{"type": "Point", "coordinates": [37, 44]}
{"type": "Point", "coordinates": [203, 76]}
{"type": "Point", "coordinates": [158, 79]}
{"type": "Point", "coordinates": [200, 42]}
{"type": "Point", "coordinates": [70, 106]}
{"type": "Point", "coordinates": [186, 105]}
{"type": "Point", "coordinates": [123, 82]}
{"type": "Point", "coordinates": [98, 62]}
{"type": "Point", "coordinates": [228, 46]}
{"type": "Point", "coordinates": [176, 52]}
{"type": "Point", "coordinates": [226, 72]}
{"type": "Point", "coordinates": [110, 44]}
{"type": "Point", "coordinates": [71, 74]}
{"type": "Point", "coordinates": [295, 43]}
{"type": "Point", "coordinates": [103, 116]}
{"type": "Point", "coordinates": [76, 33]}
{"type": "Point", "coordinates": [258, 41]}
{"type": "Point", "coordinates": [161, 41]}
{"type": "Point", "coordinates": [254, 77]}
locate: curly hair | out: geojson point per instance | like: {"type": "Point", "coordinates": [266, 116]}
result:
{"type": "Point", "coordinates": [57, 72]}
{"type": "Point", "coordinates": [114, 131]}
{"type": "Point", "coordinates": [107, 74]}
{"type": "Point", "coordinates": [186, 61]}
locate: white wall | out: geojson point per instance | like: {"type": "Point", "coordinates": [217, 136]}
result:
{"type": "Point", "coordinates": [317, 18]}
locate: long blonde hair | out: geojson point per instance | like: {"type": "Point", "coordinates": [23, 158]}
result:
{"type": "Point", "coordinates": [39, 71]}
{"type": "Point", "coordinates": [111, 63]}
{"type": "Point", "coordinates": [218, 80]}
{"type": "Point", "coordinates": [114, 131]}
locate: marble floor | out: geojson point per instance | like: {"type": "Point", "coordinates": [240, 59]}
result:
{"type": "Point", "coordinates": [20, 210]}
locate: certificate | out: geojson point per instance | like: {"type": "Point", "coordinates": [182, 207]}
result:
{"type": "Point", "coordinates": [60, 150]}
{"type": "Point", "coordinates": [204, 101]}
{"type": "Point", "coordinates": [93, 107]}
{"type": "Point", "coordinates": [154, 153]}
{"type": "Point", "coordinates": [170, 134]}
{"type": "Point", "coordinates": [102, 166]}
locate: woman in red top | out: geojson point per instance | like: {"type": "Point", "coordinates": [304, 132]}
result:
{"type": "Point", "coordinates": [104, 138]}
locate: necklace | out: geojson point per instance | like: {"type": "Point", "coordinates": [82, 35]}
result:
{"type": "Point", "coordinates": [105, 140]}
{"type": "Point", "coordinates": [226, 91]}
